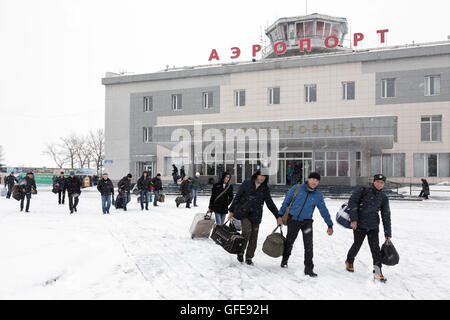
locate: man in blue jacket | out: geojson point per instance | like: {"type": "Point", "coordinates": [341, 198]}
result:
{"type": "Point", "coordinates": [300, 218]}
{"type": "Point", "coordinates": [364, 205]}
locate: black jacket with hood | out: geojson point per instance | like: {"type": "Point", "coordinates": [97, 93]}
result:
{"type": "Point", "coordinates": [220, 205]}
{"type": "Point", "coordinates": [248, 192]}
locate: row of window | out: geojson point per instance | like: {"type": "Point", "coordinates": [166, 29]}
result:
{"type": "Point", "coordinates": [432, 87]}
{"type": "Point", "coordinates": [430, 126]}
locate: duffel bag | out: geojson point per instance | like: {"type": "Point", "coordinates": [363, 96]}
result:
{"type": "Point", "coordinates": [228, 238]}
{"type": "Point", "coordinates": [17, 193]}
{"type": "Point", "coordinates": [274, 244]}
{"type": "Point", "coordinates": [389, 255]}
{"type": "Point", "coordinates": [343, 216]}
{"type": "Point", "coordinates": [161, 197]}
{"type": "Point", "coordinates": [180, 199]}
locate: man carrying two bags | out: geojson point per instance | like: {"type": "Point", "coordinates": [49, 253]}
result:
{"type": "Point", "coordinates": [297, 210]}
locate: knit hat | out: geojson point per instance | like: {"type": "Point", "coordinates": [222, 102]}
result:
{"type": "Point", "coordinates": [379, 177]}
{"type": "Point", "coordinates": [314, 175]}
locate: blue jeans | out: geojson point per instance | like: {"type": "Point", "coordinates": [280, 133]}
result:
{"type": "Point", "coordinates": [156, 194]}
{"type": "Point", "coordinates": [220, 218]}
{"type": "Point", "coordinates": [126, 199]}
{"type": "Point", "coordinates": [106, 203]}
{"type": "Point", "coordinates": [194, 196]}
{"type": "Point", "coordinates": [28, 196]}
{"type": "Point", "coordinates": [144, 199]}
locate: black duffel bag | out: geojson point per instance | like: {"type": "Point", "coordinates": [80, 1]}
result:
{"type": "Point", "coordinates": [228, 238]}
{"type": "Point", "coordinates": [389, 255]}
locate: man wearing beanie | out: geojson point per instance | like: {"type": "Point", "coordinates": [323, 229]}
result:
{"type": "Point", "coordinates": [302, 199]}
{"type": "Point", "coordinates": [124, 188]}
{"type": "Point", "coordinates": [364, 205]}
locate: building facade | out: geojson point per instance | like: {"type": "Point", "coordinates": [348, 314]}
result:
{"type": "Point", "coordinates": [346, 114]}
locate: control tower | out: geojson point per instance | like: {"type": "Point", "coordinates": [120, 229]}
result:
{"type": "Point", "coordinates": [316, 27]}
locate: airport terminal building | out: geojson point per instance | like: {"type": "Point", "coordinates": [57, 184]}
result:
{"type": "Point", "coordinates": [344, 113]}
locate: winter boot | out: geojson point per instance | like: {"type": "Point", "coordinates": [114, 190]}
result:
{"type": "Point", "coordinates": [378, 275]}
{"type": "Point", "coordinates": [178, 204]}
{"type": "Point", "coordinates": [310, 272]}
{"type": "Point", "coordinates": [349, 266]}
{"type": "Point", "coordinates": [284, 264]}
{"type": "Point", "coordinates": [240, 258]}
{"type": "Point", "coordinates": [249, 262]}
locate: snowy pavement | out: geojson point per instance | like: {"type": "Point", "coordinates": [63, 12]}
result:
{"type": "Point", "coordinates": [49, 254]}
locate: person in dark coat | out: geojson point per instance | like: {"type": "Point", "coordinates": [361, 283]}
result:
{"type": "Point", "coordinates": [58, 184]}
{"type": "Point", "coordinates": [364, 205]}
{"type": "Point", "coordinates": [425, 189]}
{"type": "Point", "coordinates": [144, 184]}
{"type": "Point", "coordinates": [124, 188]}
{"type": "Point", "coordinates": [252, 194]}
{"type": "Point", "coordinates": [301, 212]}
{"type": "Point", "coordinates": [72, 185]}
{"type": "Point", "coordinates": [28, 186]}
{"type": "Point", "coordinates": [182, 173]}
{"type": "Point", "coordinates": [106, 189]}
{"type": "Point", "coordinates": [186, 191]}
{"type": "Point", "coordinates": [221, 198]}
{"type": "Point", "coordinates": [157, 188]}
{"type": "Point", "coordinates": [175, 174]}
{"type": "Point", "coordinates": [10, 181]}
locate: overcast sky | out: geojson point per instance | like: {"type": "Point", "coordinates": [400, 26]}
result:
{"type": "Point", "coordinates": [54, 53]}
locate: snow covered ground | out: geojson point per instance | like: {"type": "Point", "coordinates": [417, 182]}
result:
{"type": "Point", "coordinates": [49, 254]}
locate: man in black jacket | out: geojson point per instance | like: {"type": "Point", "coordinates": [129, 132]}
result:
{"type": "Point", "coordinates": [28, 186]}
{"type": "Point", "coordinates": [106, 188]}
{"type": "Point", "coordinates": [249, 202]}
{"type": "Point", "coordinates": [124, 188]}
{"type": "Point", "coordinates": [73, 186]}
{"type": "Point", "coordinates": [10, 181]}
{"type": "Point", "coordinates": [364, 205]}
{"type": "Point", "coordinates": [221, 198]}
{"type": "Point", "coordinates": [186, 191]}
{"type": "Point", "coordinates": [144, 184]}
{"type": "Point", "coordinates": [157, 188]}
{"type": "Point", "coordinates": [59, 185]}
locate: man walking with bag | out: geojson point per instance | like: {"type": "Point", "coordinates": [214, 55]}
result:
{"type": "Point", "coordinates": [73, 186]}
{"type": "Point", "coordinates": [157, 188]}
{"type": "Point", "coordinates": [364, 205]}
{"type": "Point", "coordinates": [124, 188]}
{"type": "Point", "coordinates": [10, 181]}
{"type": "Point", "coordinates": [247, 206]}
{"type": "Point", "coordinates": [298, 208]}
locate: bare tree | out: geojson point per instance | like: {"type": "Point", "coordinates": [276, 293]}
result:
{"type": "Point", "coordinates": [69, 146]}
{"type": "Point", "coordinates": [57, 154]}
{"type": "Point", "coordinates": [96, 143]}
{"type": "Point", "coordinates": [82, 151]}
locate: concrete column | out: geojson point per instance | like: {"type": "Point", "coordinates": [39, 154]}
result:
{"type": "Point", "coordinates": [352, 165]}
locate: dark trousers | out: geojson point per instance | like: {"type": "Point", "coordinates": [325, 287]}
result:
{"type": "Point", "coordinates": [294, 228]}
{"type": "Point", "coordinates": [61, 196]}
{"type": "Point", "coordinates": [250, 233]}
{"type": "Point", "coordinates": [374, 244]}
{"type": "Point", "coordinates": [8, 194]}
{"type": "Point", "coordinates": [73, 202]}
{"type": "Point", "coordinates": [144, 199]}
{"type": "Point", "coordinates": [28, 196]}
{"type": "Point", "coordinates": [423, 194]}
{"type": "Point", "coordinates": [126, 199]}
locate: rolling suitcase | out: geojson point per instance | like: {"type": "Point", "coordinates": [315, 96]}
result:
{"type": "Point", "coordinates": [228, 238]}
{"type": "Point", "coordinates": [118, 203]}
{"type": "Point", "coordinates": [202, 225]}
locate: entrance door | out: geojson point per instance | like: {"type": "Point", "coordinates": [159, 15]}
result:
{"type": "Point", "coordinates": [149, 168]}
